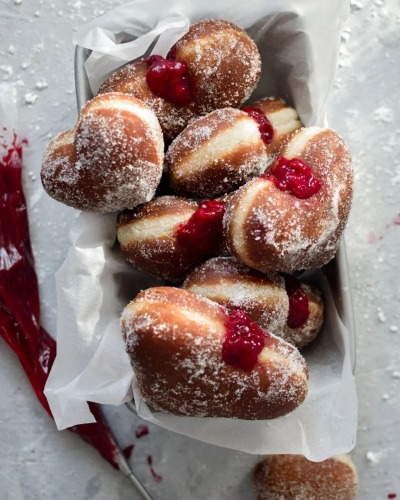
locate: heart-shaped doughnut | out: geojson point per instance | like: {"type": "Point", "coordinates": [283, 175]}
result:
{"type": "Point", "coordinates": [111, 160]}
{"type": "Point", "coordinates": [293, 216]}
{"type": "Point", "coordinates": [191, 357]}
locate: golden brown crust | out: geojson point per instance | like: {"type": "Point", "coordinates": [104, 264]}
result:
{"type": "Point", "coordinates": [262, 296]}
{"type": "Point", "coordinates": [269, 229]}
{"type": "Point", "coordinates": [111, 160]}
{"type": "Point", "coordinates": [148, 240]}
{"type": "Point", "coordinates": [293, 477]}
{"type": "Point", "coordinates": [174, 339]}
{"type": "Point", "coordinates": [131, 79]}
{"type": "Point", "coordinates": [216, 154]}
{"type": "Point", "coordinates": [234, 285]}
{"type": "Point", "coordinates": [59, 173]}
{"type": "Point", "coordinates": [223, 62]}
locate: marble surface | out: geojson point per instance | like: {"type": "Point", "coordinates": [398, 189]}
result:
{"type": "Point", "coordinates": [36, 461]}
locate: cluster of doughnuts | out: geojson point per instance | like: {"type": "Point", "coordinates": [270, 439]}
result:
{"type": "Point", "coordinates": [281, 305]}
{"type": "Point", "coordinates": [293, 477]}
{"type": "Point", "coordinates": [251, 194]}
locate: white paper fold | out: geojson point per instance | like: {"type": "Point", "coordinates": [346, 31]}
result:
{"type": "Point", "coordinates": [298, 42]}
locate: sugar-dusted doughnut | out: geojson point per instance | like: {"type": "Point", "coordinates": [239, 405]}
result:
{"type": "Point", "coordinates": [234, 285]}
{"type": "Point", "coordinates": [306, 313]}
{"type": "Point", "coordinates": [216, 154]}
{"type": "Point", "coordinates": [293, 477]}
{"type": "Point", "coordinates": [292, 310]}
{"type": "Point", "coordinates": [110, 161]}
{"type": "Point", "coordinates": [169, 236]}
{"type": "Point", "coordinates": [192, 358]}
{"type": "Point", "coordinates": [293, 216]}
{"type": "Point", "coordinates": [131, 79]}
{"type": "Point", "coordinates": [280, 121]}
{"type": "Point", "coordinates": [223, 62]}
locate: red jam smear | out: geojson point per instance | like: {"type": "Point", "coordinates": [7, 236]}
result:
{"type": "Point", "coordinates": [128, 451]}
{"type": "Point", "coordinates": [264, 125]}
{"type": "Point", "coordinates": [294, 176]}
{"type": "Point", "coordinates": [244, 340]}
{"type": "Point", "coordinates": [19, 295]}
{"type": "Point", "coordinates": [156, 476]}
{"type": "Point", "coordinates": [141, 431]}
{"type": "Point", "coordinates": [298, 303]}
{"type": "Point", "coordinates": [392, 495]}
{"type": "Point", "coordinates": [203, 232]}
{"type": "Point", "coordinates": [169, 79]}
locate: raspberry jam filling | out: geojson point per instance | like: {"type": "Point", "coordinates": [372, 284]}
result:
{"type": "Point", "coordinates": [294, 176]}
{"type": "Point", "coordinates": [168, 78]}
{"type": "Point", "coordinates": [264, 125]}
{"type": "Point", "coordinates": [298, 303]}
{"type": "Point", "coordinates": [244, 340]}
{"type": "Point", "coordinates": [19, 295]}
{"type": "Point", "coordinates": [203, 232]}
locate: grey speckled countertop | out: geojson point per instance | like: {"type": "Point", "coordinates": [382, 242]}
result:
{"type": "Point", "coordinates": [36, 461]}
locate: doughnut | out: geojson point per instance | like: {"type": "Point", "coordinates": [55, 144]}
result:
{"type": "Point", "coordinates": [131, 79]}
{"type": "Point", "coordinates": [216, 154]}
{"type": "Point", "coordinates": [283, 306]}
{"type": "Point", "coordinates": [293, 477]}
{"type": "Point", "coordinates": [281, 121]}
{"type": "Point", "coordinates": [293, 216]}
{"type": "Point", "coordinates": [169, 236]}
{"type": "Point", "coordinates": [223, 63]}
{"type": "Point", "coordinates": [306, 313]}
{"type": "Point", "coordinates": [111, 160]}
{"type": "Point", "coordinates": [192, 358]}
{"type": "Point", "coordinates": [215, 65]}
{"type": "Point", "coordinates": [234, 285]}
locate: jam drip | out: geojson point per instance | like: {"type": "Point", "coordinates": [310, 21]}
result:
{"type": "Point", "coordinates": [203, 232]}
{"type": "Point", "coordinates": [244, 340]}
{"type": "Point", "coordinates": [169, 79]}
{"type": "Point", "coordinates": [19, 295]}
{"type": "Point", "coordinates": [298, 303]}
{"type": "Point", "coordinates": [294, 176]}
{"type": "Point", "coordinates": [264, 125]}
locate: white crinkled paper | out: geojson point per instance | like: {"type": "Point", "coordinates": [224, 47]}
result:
{"type": "Point", "coordinates": [299, 43]}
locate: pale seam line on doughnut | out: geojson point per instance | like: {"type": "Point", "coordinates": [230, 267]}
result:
{"type": "Point", "coordinates": [219, 146]}
{"type": "Point", "coordinates": [345, 459]}
{"type": "Point", "coordinates": [299, 140]}
{"type": "Point", "coordinates": [215, 327]}
{"type": "Point", "coordinates": [143, 113]}
{"type": "Point", "coordinates": [239, 216]}
{"type": "Point", "coordinates": [284, 120]}
{"type": "Point", "coordinates": [68, 138]}
{"type": "Point", "coordinates": [230, 290]}
{"type": "Point", "coordinates": [291, 362]}
{"type": "Point", "coordinates": [144, 229]}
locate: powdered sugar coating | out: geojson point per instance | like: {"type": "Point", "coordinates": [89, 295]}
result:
{"type": "Point", "coordinates": [262, 296]}
{"type": "Point", "coordinates": [131, 79]}
{"type": "Point", "coordinates": [269, 229]}
{"type": "Point", "coordinates": [293, 477]}
{"type": "Point", "coordinates": [215, 154]}
{"type": "Point", "coordinates": [114, 159]}
{"type": "Point", "coordinates": [234, 285]}
{"type": "Point", "coordinates": [148, 238]}
{"type": "Point", "coordinates": [223, 62]}
{"type": "Point", "coordinates": [283, 118]}
{"type": "Point", "coordinates": [174, 339]}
